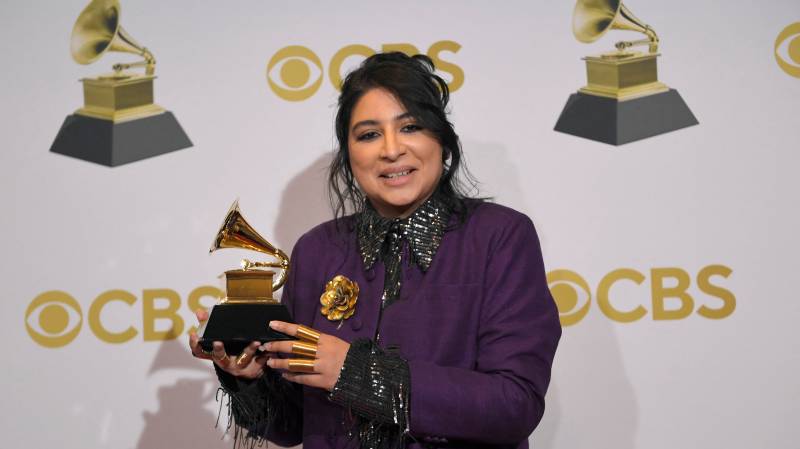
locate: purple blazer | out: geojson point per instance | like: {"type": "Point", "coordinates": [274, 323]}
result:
{"type": "Point", "coordinates": [479, 330]}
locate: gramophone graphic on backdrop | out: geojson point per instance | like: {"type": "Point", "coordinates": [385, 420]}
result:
{"type": "Point", "coordinates": [119, 123]}
{"type": "Point", "coordinates": [623, 100]}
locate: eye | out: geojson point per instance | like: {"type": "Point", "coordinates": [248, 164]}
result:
{"type": "Point", "coordinates": [787, 49]}
{"type": "Point", "coordinates": [294, 73]}
{"type": "Point", "coordinates": [53, 319]}
{"type": "Point", "coordinates": [411, 128]}
{"type": "Point", "coordinates": [573, 303]}
{"type": "Point", "coordinates": [367, 136]}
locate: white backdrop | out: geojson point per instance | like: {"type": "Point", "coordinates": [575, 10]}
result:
{"type": "Point", "coordinates": [721, 193]}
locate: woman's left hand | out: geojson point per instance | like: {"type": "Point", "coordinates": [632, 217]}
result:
{"type": "Point", "coordinates": [330, 355]}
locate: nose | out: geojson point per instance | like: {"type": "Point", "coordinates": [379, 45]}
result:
{"type": "Point", "coordinates": [393, 147]}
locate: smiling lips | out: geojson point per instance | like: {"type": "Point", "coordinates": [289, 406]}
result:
{"type": "Point", "coordinates": [395, 176]}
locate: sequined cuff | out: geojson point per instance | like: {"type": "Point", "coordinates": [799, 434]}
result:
{"type": "Point", "coordinates": [258, 407]}
{"type": "Point", "coordinates": [374, 385]}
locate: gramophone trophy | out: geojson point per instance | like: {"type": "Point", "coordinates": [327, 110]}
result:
{"type": "Point", "coordinates": [248, 307]}
{"type": "Point", "coordinates": [623, 100]}
{"type": "Point", "coordinates": [119, 123]}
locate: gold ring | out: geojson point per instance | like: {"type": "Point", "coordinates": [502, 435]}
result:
{"type": "Point", "coordinates": [301, 365]}
{"type": "Point", "coordinates": [243, 360]}
{"type": "Point", "coordinates": [218, 359]}
{"type": "Point", "coordinates": [305, 333]}
{"type": "Point", "coordinates": [304, 349]}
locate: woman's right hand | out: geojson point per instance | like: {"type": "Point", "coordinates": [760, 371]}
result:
{"type": "Point", "coordinates": [253, 366]}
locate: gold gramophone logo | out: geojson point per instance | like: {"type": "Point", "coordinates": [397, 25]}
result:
{"type": "Point", "coordinates": [119, 121]}
{"type": "Point", "coordinates": [623, 100]}
{"type": "Point", "coordinates": [787, 50]}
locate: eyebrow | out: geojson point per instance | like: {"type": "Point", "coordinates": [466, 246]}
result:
{"type": "Point", "coordinates": [371, 122]}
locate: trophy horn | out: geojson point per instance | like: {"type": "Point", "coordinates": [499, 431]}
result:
{"type": "Point", "coordinates": [591, 19]}
{"type": "Point", "coordinates": [236, 232]}
{"type": "Point", "coordinates": [97, 31]}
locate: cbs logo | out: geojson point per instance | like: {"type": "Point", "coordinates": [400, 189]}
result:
{"type": "Point", "coordinates": [668, 290]}
{"type": "Point", "coordinates": [54, 318]}
{"type": "Point", "coordinates": [787, 49]}
{"type": "Point", "coordinates": [295, 72]}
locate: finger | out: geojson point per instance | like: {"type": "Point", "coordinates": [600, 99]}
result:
{"type": "Point", "coordinates": [219, 356]}
{"type": "Point", "coordinates": [282, 326]}
{"type": "Point", "coordinates": [194, 344]}
{"type": "Point", "coordinates": [263, 351]}
{"type": "Point", "coordinates": [279, 364]}
{"type": "Point", "coordinates": [301, 378]}
{"type": "Point", "coordinates": [247, 354]}
{"type": "Point", "coordinates": [201, 314]}
{"type": "Point", "coordinates": [293, 365]}
{"type": "Point", "coordinates": [304, 349]}
{"type": "Point", "coordinates": [304, 333]}
{"type": "Point", "coordinates": [302, 365]}
{"type": "Point", "coordinates": [296, 347]}
{"type": "Point", "coordinates": [253, 370]}
{"type": "Point", "coordinates": [279, 346]}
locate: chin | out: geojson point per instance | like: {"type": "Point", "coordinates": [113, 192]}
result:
{"type": "Point", "coordinates": [396, 205]}
{"type": "Point", "coordinates": [395, 198]}
{"type": "Point", "coordinates": [401, 202]}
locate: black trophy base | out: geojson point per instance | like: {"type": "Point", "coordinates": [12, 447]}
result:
{"type": "Point", "coordinates": [237, 325]}
{"type": "Point", "coordinates": [112, 144]}
{"type": "Point", "coordinates": [618, 122]}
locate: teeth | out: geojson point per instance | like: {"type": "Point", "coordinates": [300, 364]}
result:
{"type": "Point", "coordinates": [394, 175]}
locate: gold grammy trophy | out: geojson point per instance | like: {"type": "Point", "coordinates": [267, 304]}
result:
{"type": "Point", "coordinates": [623, 100]}
{"type": "Point", "coordinates": [119, 122]}
{"type": "Point", "coordinates": [243, 315]}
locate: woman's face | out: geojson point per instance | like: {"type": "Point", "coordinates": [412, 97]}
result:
{"type": "Point", "coordinates": [395, 162]}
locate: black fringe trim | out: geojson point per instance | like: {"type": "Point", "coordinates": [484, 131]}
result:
{"type": "Point", "coordinates": [269, 403]}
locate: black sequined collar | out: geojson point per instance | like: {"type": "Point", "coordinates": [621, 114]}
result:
{"type": "Point", "coordinates": [423, 229]}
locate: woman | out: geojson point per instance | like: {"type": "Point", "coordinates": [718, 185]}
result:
{"type": "Point", "coordinates": [453, 333]}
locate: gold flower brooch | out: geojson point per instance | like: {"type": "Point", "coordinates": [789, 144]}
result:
{"type": "Point", "coordinates": [339, 300]}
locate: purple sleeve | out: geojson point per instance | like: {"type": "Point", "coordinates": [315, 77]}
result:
{"type": "Point", "coordinates": [502, 399]}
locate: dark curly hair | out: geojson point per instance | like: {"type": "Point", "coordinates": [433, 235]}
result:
{"type": "Point", "coordinates": [413, 81]}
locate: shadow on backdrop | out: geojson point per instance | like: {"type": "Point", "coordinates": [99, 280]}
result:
{"type": "Point", "coordinates": [304, 203]}
{"type": "Point", "coordinates": [496, 173]}
{"type": "Point", "coordinates": [182, 419]}
{"type": "Point", "coordinates": [588, 367]}
{"type": "Point", "coordinates": [589, 371]}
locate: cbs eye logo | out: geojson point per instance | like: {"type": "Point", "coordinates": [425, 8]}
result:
{"type": "Point", "coordinates": [53, 319]}
{"type": "Point", "coordinates": [293, 67]}
{"type": "Point", "coordinates": [295, 72]}
{"type": "Point", "coordinates": [787, 50]}
{"type": "Point", "coordinates": [563, 285]}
